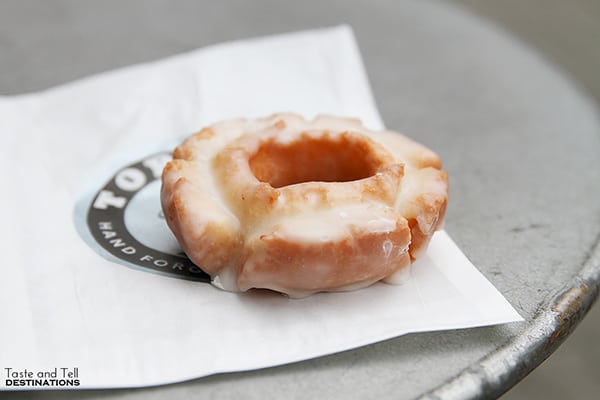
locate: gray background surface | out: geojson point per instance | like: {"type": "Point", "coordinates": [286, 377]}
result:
{"type": "Point", "coordinates": [520, 142]}
{"type": "Point", "coordinates": [567, 33]}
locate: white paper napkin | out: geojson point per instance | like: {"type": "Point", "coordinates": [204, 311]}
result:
{"type": "Point", "coordinates": [65, 303]}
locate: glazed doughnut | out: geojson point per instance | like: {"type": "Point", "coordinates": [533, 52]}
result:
{"type": "Point", "coordinates": [302, 206]}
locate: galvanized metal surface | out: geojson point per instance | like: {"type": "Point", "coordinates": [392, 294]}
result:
{"type": "Point", "coordinates": [520, 141]}
{"type": "Point", "coordinates": [494, 374]}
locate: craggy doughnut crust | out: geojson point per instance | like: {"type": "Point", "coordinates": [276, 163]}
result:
{"type": "Point", "coordinates": [302, 206]}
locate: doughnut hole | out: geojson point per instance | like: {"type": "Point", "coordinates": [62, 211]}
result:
{"type": "Point", "coordinates": [343, 158]}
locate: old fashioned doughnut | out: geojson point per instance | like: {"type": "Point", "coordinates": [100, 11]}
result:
{"type": "Point", "coordinates": [302, 206]}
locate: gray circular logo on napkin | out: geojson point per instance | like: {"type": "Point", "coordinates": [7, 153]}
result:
{"type": "Point", "coordinates": [123, 221]}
